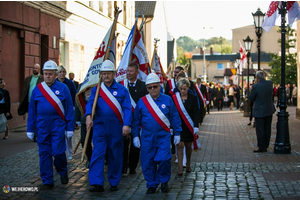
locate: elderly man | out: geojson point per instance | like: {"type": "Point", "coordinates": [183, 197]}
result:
{"type": "Point", "coordinates": [261, 94]}
{"type": "Point", "coordinates": [156, 114]}
{"type": "Point", "coordinates": [111, 123]}
{"type": "Point", "coordinates": [29, 84]}
{"type": "Point", "coordinates": [137, 90]}
{"type": "Point", "coordinates": [51, 113]}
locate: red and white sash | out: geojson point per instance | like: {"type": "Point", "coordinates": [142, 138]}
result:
{"type": "Point", "coordinates": [111, 101]}
{"type": "Point", "coordinates": [52, 99]}
{"type": "Point", "coordinates": [186, 117]}
{"type": "Point", "coordinates": [172, 85]}
{"type": "Point", "coordinates": [200, 94]}
{"type": "Point", "coordinates": [125, 84]}
{"type": "Point", "coordinates": [182, 111]}
{"type": "Point", "coordinates": [158, 115]}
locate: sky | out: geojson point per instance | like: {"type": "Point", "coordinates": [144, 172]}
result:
{"type": "Point", "coordinates": [198, 19]}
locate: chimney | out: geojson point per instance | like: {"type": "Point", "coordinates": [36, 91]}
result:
{"type": "Point", "coordinates": [201, 51]}
{"type": "Point", "coordinates": [211, 51]}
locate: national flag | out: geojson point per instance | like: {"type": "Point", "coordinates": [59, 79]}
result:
{"type": "Point", "coordinates": [271, 16]}
{"type": "Point", "coordinates": [293, 12]}
{"type": "Point", "coordinates": [158, 69]}
{"type": "Point", "coordinates": [92, 77]}
{"type": "Point", "coordinates": [134, 52]}
{"type": "Point", "coordinates": [243, 57]}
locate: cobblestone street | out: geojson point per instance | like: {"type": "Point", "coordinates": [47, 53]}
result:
{"type": "Point", "coordinates": [225, 168]}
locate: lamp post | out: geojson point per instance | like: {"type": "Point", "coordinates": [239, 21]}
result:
{"type": "Point", "coordinates": [282, 142]}
{"type": "Point", "coordinates": [248, 44]}
{"type": "Point", "coordinates": [258, 17]}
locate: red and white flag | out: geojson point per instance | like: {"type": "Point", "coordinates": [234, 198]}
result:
{"type": "Point", "coordinates": [158, 69]}
{"type": "Point", "coordinates": [293, 12]}
{"type": "Point", "coordinates": [271, 16]}
{"type": "Point", "coordinates": [138, 55]}
{"type": "Point", "coordinates": [92, 77]}
{"type": "Point", "coordinates": [243, 57]}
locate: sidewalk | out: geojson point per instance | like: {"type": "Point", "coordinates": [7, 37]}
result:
{"type": "Point", "coordinates": [225, 168]}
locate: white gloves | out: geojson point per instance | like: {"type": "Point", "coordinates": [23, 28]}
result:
{"type": "Point", "coordinates": [77, 124]}
{"type": "Point", "coordinates": [69, 134]}
{"type": "Point", "coordinates": [176, 139]}
{"type": "Point", "coordinates": [196, 130]}
{"type": "Point", "coordinates": [30, 135]}
{"type": "Point", "coordinates": [136, 142]}
{"type": "Point", "coordinates": [207, 102]}
{"type": "Point", "coordinates": [171, 131]}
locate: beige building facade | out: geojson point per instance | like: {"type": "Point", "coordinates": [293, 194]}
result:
{"type": "Point", "coordinates": [216, 64]}
{"type": "Point", "coordinates": [83, 31]}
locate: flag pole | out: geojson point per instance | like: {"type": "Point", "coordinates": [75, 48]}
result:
{"type": "Point", "coordinates": [117, 12]}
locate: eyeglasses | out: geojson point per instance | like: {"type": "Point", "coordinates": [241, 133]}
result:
{"type": "Point", "coordinates": [154, 87]}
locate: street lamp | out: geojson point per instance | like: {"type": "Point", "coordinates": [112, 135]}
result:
{"type": "Point", "coordinates": [282, 142]}
{"type": "Point", "coordinates": [248, 44]}
{"type": "Point", "coordinates": [258, 17]}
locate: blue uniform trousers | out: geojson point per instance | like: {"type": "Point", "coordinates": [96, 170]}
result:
{"type": "Point", "coordinates": [52, 144]}
{"type": "Point", "coordinates": [108, 140]}
{"type": "Point", "coordinates": [156, 159]}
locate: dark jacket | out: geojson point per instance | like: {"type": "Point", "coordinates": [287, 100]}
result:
{"type": "Point", "coordinates": [5, 103]}
{"type": "Point", "coordinates": [138, 91]}
{"type": "Point", "coordinates": [23, 106]}
{"type": "Point", "coordinates": [219, 94]}
{"type": "Point", "coordinates": [262, 96]}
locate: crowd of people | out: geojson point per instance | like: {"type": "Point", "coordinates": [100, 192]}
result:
{"type": "Point", "coordinates": [133, 120]}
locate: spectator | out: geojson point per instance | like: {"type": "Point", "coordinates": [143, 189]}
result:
{"type": "Point", "coordinates": [71, 77]}
{"type": "Point", "coordinates": [294, 95]}
{"type": "Point", "coordinates": [5, 105]}
{"type": "Point", "coordinates": [261, 95]}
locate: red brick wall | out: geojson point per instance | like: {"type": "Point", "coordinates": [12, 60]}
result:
{"type": "Point", "coordinates": [33, 23]}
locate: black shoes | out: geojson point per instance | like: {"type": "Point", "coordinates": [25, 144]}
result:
{"type": "Point", "coordinates": [46, 187]}
{"type": "Point", "coordinates": [132, 171]}
{"type": "Point", "coordinates": [64, 179]}
{"type": "Point", "coordinates": [97, 188]}
{"type": "Point", "coordinates": [151, 190]}
{"type": "Point", "coordinates": [165, 187]}
{"type": "Point", "coordinates": [249, 124]}
{"type": "Point", "coordinates": [114, 188]}
{"type": "Point", "coordinates": [259, 150]}
{"type": "Point", "coordinates": [124, 171]}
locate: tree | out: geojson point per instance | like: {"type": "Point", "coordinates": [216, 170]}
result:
{"type": "Point", "coordinates": [187, 43]}
{"type": "Point", "coordinates": [290, 60]}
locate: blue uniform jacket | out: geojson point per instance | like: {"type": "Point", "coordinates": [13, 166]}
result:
{"type": "Point", "coordinates": [142, 117]}
{"type": "Point", "coordinates": [103, 113]}
{"type": "Point", "coordinates": [70, 84]}
{"type": "Point", "coordinates": [42, 113]}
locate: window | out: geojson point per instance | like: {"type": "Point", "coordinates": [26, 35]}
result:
{"type": "Point", "coordinates": [220, 66]}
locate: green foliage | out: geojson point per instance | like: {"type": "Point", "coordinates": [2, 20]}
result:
{"type": "Point", "coordinates": [290, 60]}
{"type": "Point", "coordinates": [187, 44]}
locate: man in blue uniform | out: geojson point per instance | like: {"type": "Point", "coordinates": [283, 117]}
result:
{"type": "Point", "coordinates": [156, 113]}
{"type": "Point", "coordinates": [110, 125]}
{"type": "Point", "coordinates": [51, 113]}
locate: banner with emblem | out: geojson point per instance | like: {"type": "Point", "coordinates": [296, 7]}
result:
{"type": "Point", "coordinates": [135, 52]}
{"type": "Point", "coordinates": [157, 67]}
{"type": "Point", "coordinates": [92, 77]}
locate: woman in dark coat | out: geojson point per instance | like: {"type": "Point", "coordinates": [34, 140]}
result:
{"type": "Point", "coordinates": [190, 104]}
{"type": "Point", "coordinates": [5, 105]}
